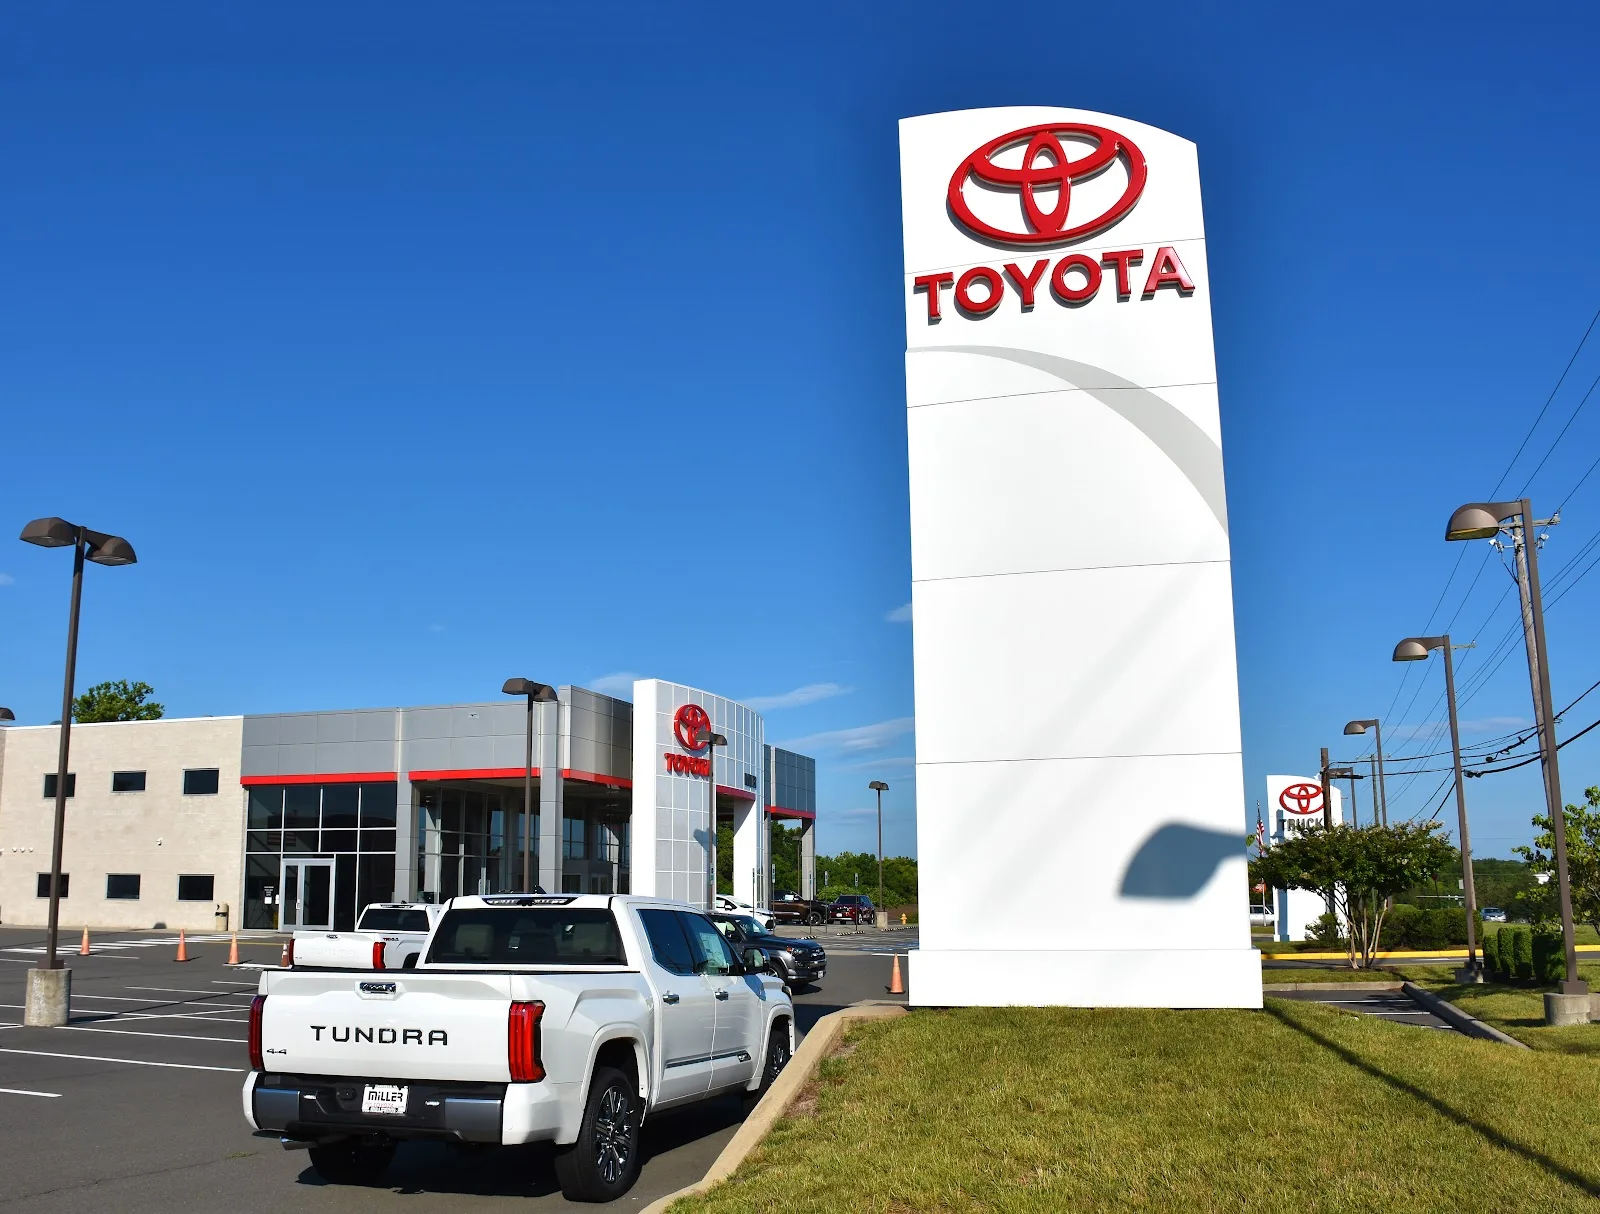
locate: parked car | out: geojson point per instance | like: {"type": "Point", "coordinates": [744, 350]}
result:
{"type": "Point", "coordinates": [797, 961]}
{"type": "Point", "coordinates": [790, 907]}
{"type": "Point", "coordinates": [851, 908]}
{"type": "Point", "coordinates": [733, 906]}
{"type": "Point", "coordinates": [1262, 916]}
{"type": "Point", "coordinates": [556, 1018]}
{"type": "Point", "coordinates": [389, 935]}
{"type": "Point", "coordinates": [1493, 914]}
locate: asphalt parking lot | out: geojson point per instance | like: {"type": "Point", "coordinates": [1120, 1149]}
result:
{"type": "Point", "coordinates": [135, 1104]}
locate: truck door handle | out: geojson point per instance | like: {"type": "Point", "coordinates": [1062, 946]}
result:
{"type": "Point", "coordinates": [722, 994]}
{"type": "Point", "coordinates": [669, 997]}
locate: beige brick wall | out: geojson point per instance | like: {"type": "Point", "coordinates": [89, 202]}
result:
{"type": "Point", "coordinates": [158, 833]}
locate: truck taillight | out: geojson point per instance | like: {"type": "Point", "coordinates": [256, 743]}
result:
{"type": "Point", "coordinates": [522, 1041]}
{"type": "Point", "coordinates": [258, 1009]}
{"type": "Point", "coordinates": [288, 953]}
{"type": "Point", "coordinates": [377, 954]}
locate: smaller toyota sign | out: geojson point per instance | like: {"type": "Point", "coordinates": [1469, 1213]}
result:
{"type": "Point", "coordinates": [688, 724]}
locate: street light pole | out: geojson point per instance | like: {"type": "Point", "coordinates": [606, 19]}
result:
{"type": "Point", "coordinates": [1483, 520]}
{"type": "Point", "coordinates": [711, 741]}
{"type": "Point", "coordinates": [1414, 649]}
{"type": "Point", "coordinates": [882, 912]}
{"type": "Point", "coordinates": [50, 1007]}
{"type": "Point", "coordinates": [537, 693]}
{"type": "Point", "coordinates": [1380, 795]}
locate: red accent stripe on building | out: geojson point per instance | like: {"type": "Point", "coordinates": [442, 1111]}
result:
{"type": "Point", "coordinates": [591, 777]}
{"type": "Point", "coordinates": [742, 794]}
{"type": "Point", "coordinates": [330, 777]}
{"type": "Point", "coordinates": [778, 811]}
{"type": "Point", "coordinates": [474, 773]}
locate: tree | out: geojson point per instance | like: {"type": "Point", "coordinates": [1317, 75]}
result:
{"type": "Point", "coordinates": [1583, 863]}
{"type": "Point", "coordinates": [1359, 869]}
{"type": "Point", "coordinates": [116, 701]}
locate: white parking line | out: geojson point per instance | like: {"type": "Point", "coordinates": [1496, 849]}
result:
{"type": "Point", "coordinates": [84, 1028]}
{"type": "Point", "coordinates": [174, 990]}
{"type": "Point", "coordinates": [180, 1066]}
{"type": "Point", "coordinates": [25, 1092]}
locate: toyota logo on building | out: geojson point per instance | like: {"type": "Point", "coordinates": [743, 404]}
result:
{"type": "Point", "coordinates": [688, 723]}
{"type": "Point", "coordinates": [1046, 166]}
{"type": "Point", "coordinates": [1301, 798]}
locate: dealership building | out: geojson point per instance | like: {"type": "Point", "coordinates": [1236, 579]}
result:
{"type": "Point", "coordinates": [298, 819]}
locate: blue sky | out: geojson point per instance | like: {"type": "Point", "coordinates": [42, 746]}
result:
{"type": "Point", "coordinates": [416, 347]}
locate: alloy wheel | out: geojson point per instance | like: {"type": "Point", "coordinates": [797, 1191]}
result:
{"type": "Point", "coordinates": [613, 1134]}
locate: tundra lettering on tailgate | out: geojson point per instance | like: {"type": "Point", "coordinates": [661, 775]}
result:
{"type": "Point", "coordinates": [342, 1033]}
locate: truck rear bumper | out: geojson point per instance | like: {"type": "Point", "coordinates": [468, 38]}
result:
{"type": "Point", "coordinates": [310, 1107]}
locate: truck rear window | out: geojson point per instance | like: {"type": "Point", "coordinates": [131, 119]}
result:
{"type": "Point", "coordinates": [393, 919]}
{"type": "Point", "coordinates": [553, 935]}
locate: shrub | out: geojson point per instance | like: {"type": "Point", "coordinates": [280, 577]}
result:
{"type": "Point", "coordinates": [1325, 931]}
{"type": "Point", "coordinates": [1549, 954]}
{"type": "Point", "coordinates": [1491, 954]}
{"type": "Point", "coordinates": [1440, 927]}
{"type": "Point", "coordinates": [1400, 925]}
{"type": "Point", "coordinates": [1522, 954]}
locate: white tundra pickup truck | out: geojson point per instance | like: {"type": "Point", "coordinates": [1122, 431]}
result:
{"type": "Point", "coordinates": [400, 927]}
{"type": "Point", "coordinates": [559, 1018]}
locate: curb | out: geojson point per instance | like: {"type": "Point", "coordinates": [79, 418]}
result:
{"type": "Point", "coordinates": [1268, 988]}
{"type": "Point", "coordinates": [1457, 1019]}
{"type": "Point", "coordinates": [819, 1043]}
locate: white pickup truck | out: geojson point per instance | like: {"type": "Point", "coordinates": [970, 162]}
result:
{"type": "Point", "coordinates": [559, 1018]}
{"type": "Point", "coordinates": [401, 928]}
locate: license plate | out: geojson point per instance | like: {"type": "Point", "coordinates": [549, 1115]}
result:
{"type": "Point", "coordinates": [385, 1098]}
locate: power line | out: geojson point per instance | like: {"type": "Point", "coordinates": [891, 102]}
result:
{"type": "Point", "coordinates": [1556, 441]}
{"type": "Point", "coordinates": [1578, 350]}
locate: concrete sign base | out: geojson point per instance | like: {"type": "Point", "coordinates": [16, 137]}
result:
{"type": "Point", "coordinates": [1113, 978]}
{"type": "Point", "coordinates": [48, 998]}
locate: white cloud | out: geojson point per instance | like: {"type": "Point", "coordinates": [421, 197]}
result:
{"type": "Point", "coordinates": [7, 580]}
{"type": "Point", "coordinates": [619, 683]}
{"type": "Point", "coordinates": [900, 615]}
{"type": "Point", "coordinates": [854, 741]}
{"type": "Point", "coordinates": [809, 694]}
{"type": "Point", "coordinates": [1496, 725]}
{"type": "Point", "coordinates": [896, 763]}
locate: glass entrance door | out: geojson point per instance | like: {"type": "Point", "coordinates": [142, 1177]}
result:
{"type": "Point", "coordinates": [306, 900]}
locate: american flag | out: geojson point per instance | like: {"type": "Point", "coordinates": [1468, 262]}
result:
{"type": "Point", "coordinates": [1261, 831]}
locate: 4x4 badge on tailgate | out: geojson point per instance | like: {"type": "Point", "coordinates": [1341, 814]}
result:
{"type": "Point", "coordinates": [377, 988]}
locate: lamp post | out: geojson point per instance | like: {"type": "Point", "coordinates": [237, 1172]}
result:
{"type": "Point", "coordinates": [1349, 773]}
{"type": "Point", "coordinates": [47, 999]}
{"type": "Point", "coordinates": [881, 915]}
{"type": "Point", "coordinates": [537, 693]}
{"type": "Point", "coordinates": [1380, 795]}
{"type": "Point", "coordinates": [1485, 520]}
{"type": "Point", "coordinates": [7, 715]}
{"type": "Point", "coordinates": [711, 741]}
{"type": "Point", "coordinates": [1415, 649]}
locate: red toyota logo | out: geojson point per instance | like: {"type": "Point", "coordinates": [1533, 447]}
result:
{"type": "Point", "coordinates": [690, 720]}
{"type": "Point", "coordinates": [1301, 798]}
{"type": "Point", "coordinates": [1048, 227]}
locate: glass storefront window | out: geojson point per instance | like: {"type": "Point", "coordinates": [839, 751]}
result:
{"type": "Point", "coordinates": [377, 805]}
{"type": "Point", "coordinates": [302, 806]}
{"type": "Point", "coordinates": [339, 805]}
{"type": "Point", "coordinates": [266, 808]}
{"type": "Point", "coordinates": [264, 840]}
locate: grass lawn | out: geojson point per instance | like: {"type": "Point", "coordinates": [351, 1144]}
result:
{"type": "Point", "coordinates": [1299, 1107]}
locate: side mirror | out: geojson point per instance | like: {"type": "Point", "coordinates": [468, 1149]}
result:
{"type": "Point", "coordinates": [755, 961]}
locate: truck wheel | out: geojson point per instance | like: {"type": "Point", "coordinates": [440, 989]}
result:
{"type": "Point", "coordinates": [814, 919]}
{"type": "Point", "coordinates": [352, 1161]}
{"type": "Point", "coordinates": [777, 1057]}
{"type": "Point", "coordinates": [603, 1164]}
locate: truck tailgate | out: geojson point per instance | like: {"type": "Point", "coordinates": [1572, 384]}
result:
{"type": "Point", "coordinates": [390, 1024]}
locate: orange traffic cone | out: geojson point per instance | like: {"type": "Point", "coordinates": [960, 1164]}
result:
{"type": "Point", "coordinates": [287, 958]}
{"type": "Point", "coordinates": [896, 986]}
{"type": "Point", "coordinates": [233, 950]}
{"type": "Point", "coordinates": [183, 947]}
{"type": "Point", "coordinates": [83, 949]}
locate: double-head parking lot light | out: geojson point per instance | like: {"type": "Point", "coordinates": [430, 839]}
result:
{"type": "Point", "coordinates": [879, 787]}
{"type": "Point", "coordinates": [711, 741]}
{"type": "Point", "coordinates": [102, 549]}
{"type": "Point", "coordinates": [1380, 795]}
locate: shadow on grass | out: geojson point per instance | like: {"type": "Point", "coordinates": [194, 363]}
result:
{"type": "Point", "coordinates": [1559, 1170]}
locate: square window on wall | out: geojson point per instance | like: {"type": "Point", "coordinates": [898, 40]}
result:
{"type": "Point", "coordinates": [44, 884]}
{"type": "Point", "coordinates": [122, 886]}
{"type": "Point", "coordinates": [196, 887]}
{"type": "Point", "coordinates": [127, 781]}
{"type": "Point", "coordinates": [200, 782]}
{"type": "Point", "coordinates": [50, 784]}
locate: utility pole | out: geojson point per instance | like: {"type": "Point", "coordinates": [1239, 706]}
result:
{"type": "Point", "coordinates": [1327, 792]}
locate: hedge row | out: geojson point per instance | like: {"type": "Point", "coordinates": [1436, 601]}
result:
{"type": "Point", "coordinates": [1525, 954]}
